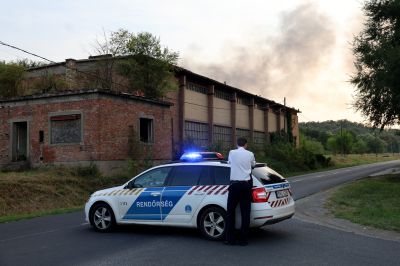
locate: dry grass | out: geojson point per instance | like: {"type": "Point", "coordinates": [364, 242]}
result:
{"type": "Point", "coordinates": [358, 159]}
{"type": "Point", "coordinates": [48, 189]}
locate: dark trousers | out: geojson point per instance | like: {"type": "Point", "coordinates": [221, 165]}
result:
{"type": "Point", "coordinates": [239, 193]}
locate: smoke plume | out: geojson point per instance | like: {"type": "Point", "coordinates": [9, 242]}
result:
{"type": "Point", "coordinates": [285, 64]}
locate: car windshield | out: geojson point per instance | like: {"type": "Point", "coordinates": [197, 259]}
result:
{"type": "Point", "coordinates": [267, 176]}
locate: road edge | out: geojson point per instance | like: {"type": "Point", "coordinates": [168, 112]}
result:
{"type": "Point", "coordinates": [312, 209]}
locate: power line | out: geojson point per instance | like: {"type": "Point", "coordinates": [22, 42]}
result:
{"type": "Point", "coordinates": [22, 50]}
{"type": "Point", "coordinates": [98, 77]}
{"type": "Point", "coordinates": [66, 66]}
{"type": "Point", "coordinates": [306, 118]}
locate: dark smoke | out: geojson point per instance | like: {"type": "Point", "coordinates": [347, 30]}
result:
{"type": "Point", "coordinates": [277, 66]}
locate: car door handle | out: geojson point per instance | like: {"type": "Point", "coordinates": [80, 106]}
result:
{"type": "Point", "coordinates": [155, 194]}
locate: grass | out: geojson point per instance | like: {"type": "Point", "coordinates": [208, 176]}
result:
{"type": "Point", "coordinates": [373, 202]}
{"type": "Point", "coordinates": [49, 190]}
{"type": "Point", "coordinates": [339, 161]}
{"type": "Point", "coordinates": [358, 159]}
{"type": "Point", "coordinates": [55, 190]}
{"type": "Point", "coordinates": [17, 217]}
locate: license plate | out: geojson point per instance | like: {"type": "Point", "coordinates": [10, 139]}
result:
{"type": "Point", "coordinates": [282, 193]}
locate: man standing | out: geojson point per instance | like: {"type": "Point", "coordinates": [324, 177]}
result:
{"type": "Point", "coordinates": [241, 162]}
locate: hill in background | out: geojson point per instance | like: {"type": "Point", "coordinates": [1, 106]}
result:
{"type": "Point", "coordinates": [344, 136]}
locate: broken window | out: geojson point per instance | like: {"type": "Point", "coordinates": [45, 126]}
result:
{"type": "Point", "coordinates": [196, 133]}
{"type": "Point", "coordinates": [146, 130]}
{"type": "Point", "coordinates": [65, 129]}
{"type": "Point", "coordinates": [222, 136]}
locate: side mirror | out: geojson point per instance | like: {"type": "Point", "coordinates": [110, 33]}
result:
{"type": "Point", "coordinates": [130, 185]}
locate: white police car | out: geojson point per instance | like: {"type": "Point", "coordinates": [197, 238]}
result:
{"type": "Point", "coordinates": [191, 193]}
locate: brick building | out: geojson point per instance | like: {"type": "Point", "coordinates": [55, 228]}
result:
{"type": "Point", "coordinates": [81, 127]}
{"type": "Point", "coordinates": [82, 124]}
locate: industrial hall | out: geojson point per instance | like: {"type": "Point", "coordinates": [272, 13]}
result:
{"type": "Point", "coordinates": [85, 124]}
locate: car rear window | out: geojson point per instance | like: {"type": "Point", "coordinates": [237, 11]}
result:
{"type": "Point", "coordinates": [221, 175]}
{"type": "Point", "coordinates": [267, 176]}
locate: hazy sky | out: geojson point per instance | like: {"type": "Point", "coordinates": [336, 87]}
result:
{"type": "Point", "coordinates": [296, 49]}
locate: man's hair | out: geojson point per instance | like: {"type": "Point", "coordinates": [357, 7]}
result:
{"type": "Point", "coordinates": [241, 142]}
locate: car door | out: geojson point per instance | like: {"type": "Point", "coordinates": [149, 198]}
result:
{"type": "Point", "coordinates": [179, 199]}
{"type": "Point", "coordinates": [142, 199]}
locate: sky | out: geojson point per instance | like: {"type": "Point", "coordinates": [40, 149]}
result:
{"type": "Point", "coordinates": [298, 49]}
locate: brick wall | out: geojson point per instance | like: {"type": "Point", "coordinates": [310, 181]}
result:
{"type": "Point", "coordinates": [106, 122]}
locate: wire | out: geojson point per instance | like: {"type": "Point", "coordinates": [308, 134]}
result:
{"type": "Point", "coordinates": [100, 78]}
{"type": "Point", "coordinates": [78, 71]}
{"type": "Point", "coordinates": [306, 118]}
{"type": "Point", "coordinates": [22, 50]}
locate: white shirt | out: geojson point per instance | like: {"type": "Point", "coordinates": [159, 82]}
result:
{"type": "Point", "coordinates": [241, 161]}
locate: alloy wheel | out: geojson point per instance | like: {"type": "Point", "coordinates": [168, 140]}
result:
{"type": "Point", "coordinates": [102, 218]}
{"type": "Point", "coordinates": [214, 224]}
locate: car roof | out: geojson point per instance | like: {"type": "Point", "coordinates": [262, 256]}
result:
{"type": "Point", "coordinates": [207, 162]}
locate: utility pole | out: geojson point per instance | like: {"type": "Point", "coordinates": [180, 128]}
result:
{"type": "Point", "coordinates": [284, 118]}
{"type": "Point", "coordinates": [341, 137]}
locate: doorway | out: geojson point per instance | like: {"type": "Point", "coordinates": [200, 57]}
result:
{"type": "Point", "coordinates": [19, 141]}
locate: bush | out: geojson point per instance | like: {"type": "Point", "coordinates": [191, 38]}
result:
{"type": "Point", "coordinates": [284, 157]}
{"type": "Point", "coordinates": [86, 171]}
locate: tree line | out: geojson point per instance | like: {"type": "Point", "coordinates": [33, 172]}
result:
{"type": "Point", "coordinates": [345, 137]}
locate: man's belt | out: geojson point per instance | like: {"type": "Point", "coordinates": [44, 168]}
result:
{"type": "Point", "coordinates": [239, 181]}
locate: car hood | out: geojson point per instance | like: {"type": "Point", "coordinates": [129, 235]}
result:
{"type": "Point", "coordinates": [107, 190]}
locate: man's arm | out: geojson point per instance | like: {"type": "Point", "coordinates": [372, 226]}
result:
{"type": "Point", "coordinates": [229, 157]}
{"type": "Point", "coordinates": [253, 161]}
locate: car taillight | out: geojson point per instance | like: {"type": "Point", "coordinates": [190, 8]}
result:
{"type": "Point", "coordinates": [259, 195]}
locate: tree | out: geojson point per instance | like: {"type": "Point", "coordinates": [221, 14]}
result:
{"type": "Point", "coordinates": [11, 75]}
{"type": "Point", "coordinates": [360, 147]}
{"type": "Point", "coordinates": [375, 144]}
{"type": "Point", "coordinates": [341, 142]}
{"type": "Point", "coordinates": [147, 65]}
{"type": "Point", "coordinates": [311, 145]}
{"type": "Point", "coordinates": [332, 145]}
{"type": "Point", "coordinates": [377, 57]}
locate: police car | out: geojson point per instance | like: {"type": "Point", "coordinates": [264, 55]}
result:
{"type": "Point", "coordinates": [192, 192]}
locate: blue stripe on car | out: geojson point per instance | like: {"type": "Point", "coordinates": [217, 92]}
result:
{"type": "Point", "coordinates": [149, 207]}
{"type": "Point", "coordinates": [285, 185]}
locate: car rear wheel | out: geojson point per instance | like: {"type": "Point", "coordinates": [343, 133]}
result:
{"type": "Point", "coordinates": [212, 223]}
{"type": "Point", "coordinates": [102, 217]}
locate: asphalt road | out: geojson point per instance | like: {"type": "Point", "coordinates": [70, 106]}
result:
{"type": "Point", "coordinates": [68, 240]}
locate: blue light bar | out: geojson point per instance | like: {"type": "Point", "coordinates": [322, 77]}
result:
{"type": "Point", "coordinates": [191, 156]}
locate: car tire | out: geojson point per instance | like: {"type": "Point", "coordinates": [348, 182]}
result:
{"type": "Point", "coordinates": [212, 223]}
{"type": "Point", "coordinates": [102, 217]}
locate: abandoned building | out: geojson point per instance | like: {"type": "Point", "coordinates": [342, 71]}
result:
{"type": "Point", "coordinates": [84, 125]}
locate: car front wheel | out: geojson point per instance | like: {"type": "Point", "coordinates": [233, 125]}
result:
{"type": "Point", "coordinates": [212, 223]}
{"type": "Point", "coordinates": [102, 217]}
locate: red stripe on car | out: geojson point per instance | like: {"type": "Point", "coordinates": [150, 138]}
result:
{"type": "Point", "coordinates": [193, 189]}
{"type": "Point", "coordinates": [220, 189]}
{"type": "Point", "coordinates": [211, 190]}
{"type": "Point", "coordinates": [207, 188]}
{"type": "Point", "coordinates": [226, 190]}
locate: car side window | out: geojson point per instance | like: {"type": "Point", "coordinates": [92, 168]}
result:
{"type": "Point", "coordinates": [206, 177]}
{"type": "Point", "coordinates": [221, 175]}
{"type": "Point", "coordinates": [187, 175]}
{"type": "Point", "coordinates": [153, 178]}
